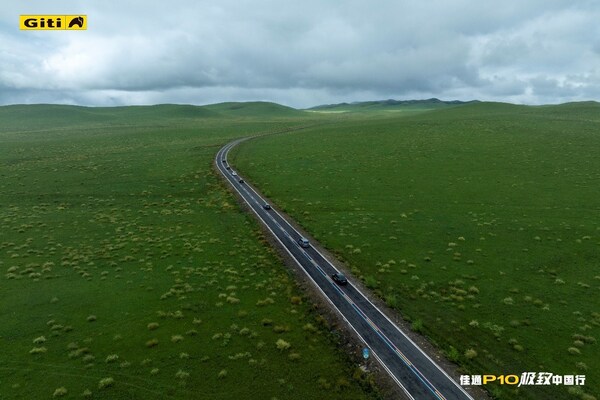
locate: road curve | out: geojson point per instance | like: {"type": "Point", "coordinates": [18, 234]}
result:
{"type": "Point", "coordinates": [417, 374]}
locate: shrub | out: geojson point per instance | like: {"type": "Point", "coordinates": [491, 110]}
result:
{"type": "Point", "coordinates": [106, 383]}
{"type": "Point", "coordinates": [38, 350]}
{"type": "Point", "coordinates": [581, 366]}
{"type": "Point", "coordinates": [282, 344]}
{"type": "Point", "coordinates": [88, 358]}
{"type": "Point", "coordinates": [153, 325]}
{"type": "Point", "coordinates": [518, 347]}
{"type": "Point", "coordinates": [294, 356]}
{"type": "Point", "coordinates": [470, 354]}
{"type": "Point", "coordinates": [39, 340]}
{"type": "Point", "coordinates": [453, 354]}
{"type": "Point", "coordinates": [112, 358]}
{"type": "Point", "coordinates": [508, 301]}
{"type": "Point", "coordinates": [371, 282]}
{"type": "Point", "coordinates": [474, 290]}
{"type": "Point", "coordinates": [281, 329]}
{"type": "Point", "coordinates": [182, 374]}
{"type": "Point", "coordinates": [222, 374]}
{"type": "Point", "coordinates": [244, 332]}
{"type": "Point", "coordinates": [176, 338]}
{"type": "Point", "coordinates": [154, 371]}
{"type": "Point", "coordinates": [417, 325]}
{"type": "Point", "coordinates": [391, 300]}
{"type": "Point", "coordinates": [61, 391]}
{"type": "Point", "coordinates": [574, 351]}
{"type": "Point", "coordinates": [152, 343]}
{"type": "Point", "coordinates": [91, 318]}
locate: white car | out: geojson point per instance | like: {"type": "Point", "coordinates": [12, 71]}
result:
{"type": "Point", "coordinates": [303, 242]}
{"type": "Point", "coordinates": [234, 173]}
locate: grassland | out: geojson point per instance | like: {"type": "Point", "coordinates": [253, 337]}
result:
{"type": "Point", "coordinates": [480, 223]}
{"type": "Point", "coordinates": [129, 272]}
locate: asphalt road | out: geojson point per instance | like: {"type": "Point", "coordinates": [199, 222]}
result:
{"type": "Point", "coordinates": [417, 374]}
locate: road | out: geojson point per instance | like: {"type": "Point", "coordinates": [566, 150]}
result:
{"type": "Point", "coordinates": [416, 373]}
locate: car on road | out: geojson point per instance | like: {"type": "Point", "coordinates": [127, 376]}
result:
{"type": "Point", "coordinates": [339, 278]}
{"type": "Point", "coordinates": [233, 173]}
{"type": "Point", "coordinates": [241, 181]}
{"type": "Point", "coordinates": [303, 242]}
{"type": "Point", "coordinates": [267, 206]}
{"type": "Point", "coordinates": [228, 167]}
{"type": "Point", "coordinates": [224, 161]}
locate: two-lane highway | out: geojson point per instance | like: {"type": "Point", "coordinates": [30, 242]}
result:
{"type": "Point", "coordinates": [416, 373]}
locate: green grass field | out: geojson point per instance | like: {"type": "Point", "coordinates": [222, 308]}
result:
{"type": "Point", "coordinates": [129, 271]}
{"type": "Point", "coordinates": [479, 223]}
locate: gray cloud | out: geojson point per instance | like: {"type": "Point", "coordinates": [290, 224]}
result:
{"type": "Point", "coordinates": [302, 53]}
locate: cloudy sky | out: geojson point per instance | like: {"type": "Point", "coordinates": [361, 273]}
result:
{"type": "Point", "coordinates": [302, 53]}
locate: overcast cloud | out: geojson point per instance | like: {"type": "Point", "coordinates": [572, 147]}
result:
{"type": "Point", "coordinates": [302, 53]}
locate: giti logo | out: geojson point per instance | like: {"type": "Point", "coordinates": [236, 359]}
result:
{"type": "Point", "coordinates": [53, 22]}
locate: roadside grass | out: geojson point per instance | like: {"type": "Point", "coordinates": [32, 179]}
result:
{"type": "Point", "coordinates": [480, 223]}
{"type": "Point", "coordinates": [117, 242]}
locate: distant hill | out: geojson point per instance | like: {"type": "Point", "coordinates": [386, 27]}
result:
{"type": "Point", "coordinates": [584, 110]}
{"type": "Point", "coordinates": [254, 108]}
{"type": "Point", "coordinates": [46, 116]}
{"type": "Point", "coordinates": [390, 105]}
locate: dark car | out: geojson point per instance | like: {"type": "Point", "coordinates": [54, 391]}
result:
{"type": "Point", "coordinates": [303, 242]}
{"type": "Point", "coordinates": [224, 161]}
{"type": "Point", "coordinates": [241, 181]}
{"type": "Point", "coordinates": [339, 278]}
{"type": "Point", "coordinates": [228, 167]}
{"type": "Point", "coordinates": [266, 206]}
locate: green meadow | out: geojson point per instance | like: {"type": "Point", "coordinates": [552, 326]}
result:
{"type": "Point", "coordinates": [479, 223]}
{"type": "Point", "coordinates": [128, 270]}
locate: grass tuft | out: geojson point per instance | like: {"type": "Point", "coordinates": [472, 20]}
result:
{"type": "Point", "coordinates": [176, 338]}
{"type": "Point", "coordinates": [106, 383]}
{"type": "Point", "coordinates": [112, 358]}
{"type": "Point", "coordinates": [39, 340]}
{"type": "Point", "coordinates": [153, 325]}
{"type": "Point", "coordinates": [38, 350]}
{"type": "Point", "coordinates": [470, 354]}
{"type": "Point", "coordinates": [60, 392]}
{"type": "Point", "coordinates": [282, 345]}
